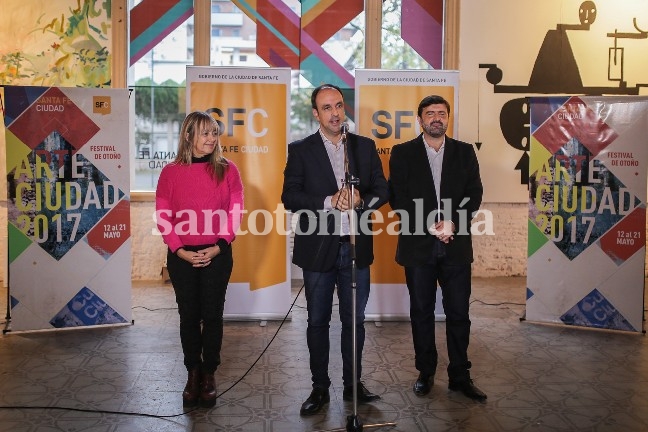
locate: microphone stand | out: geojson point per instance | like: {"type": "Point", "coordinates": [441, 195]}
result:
{"type": "Point", "coordinates": [354, 423]}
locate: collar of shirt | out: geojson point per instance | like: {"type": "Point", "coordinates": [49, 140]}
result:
{"type": "Point", "coordinates": [431, 149]}
{"type": "Point", "coordinates": [329, 142]}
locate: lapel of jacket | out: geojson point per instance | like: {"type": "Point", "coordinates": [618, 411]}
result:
{"type": "Point", "coordinates": [448, 155]}
{"type": "Point", "coordinates": [422, 164]}
{"type": "Point", "coordinates": [320, 157]}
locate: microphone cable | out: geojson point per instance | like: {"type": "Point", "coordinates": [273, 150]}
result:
{"type": "Point", "coordinates": [169, 416]}
{"type": "Point", "coordinates": [141, 414]}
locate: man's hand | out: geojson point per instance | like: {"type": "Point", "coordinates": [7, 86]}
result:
{"type": "Point", "coordinates": [341, 200]}
{"type": "Point", "coordinates": [443, 230]}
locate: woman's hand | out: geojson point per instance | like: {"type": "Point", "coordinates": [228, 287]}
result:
{"type": "Point", "coordinates": [201, 258]}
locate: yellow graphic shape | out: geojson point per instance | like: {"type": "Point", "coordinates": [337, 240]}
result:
{"type": "Point", "coordinates": [538, 156]}
{"type": "Point", "coordinates": [17, 151]}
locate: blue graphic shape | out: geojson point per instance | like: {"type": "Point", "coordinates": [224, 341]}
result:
{"type": "Point", "coordinates": [14, 301]}
{"type": "Point", "coordinates": [21, 98]}
{"type": "Point", "coordinates": [594, 310]}
{"type": "Point", "coordinates": [86, 309]}
{"type": "Point", "coordinates": [529, 293]}
{"type": "Point", "coordinates": [543, 108]}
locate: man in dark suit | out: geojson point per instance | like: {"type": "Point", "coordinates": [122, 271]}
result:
{"type": "Point", "coordinates": [316, 190]}
{"type": "Point", "coordinates": [437, 177]}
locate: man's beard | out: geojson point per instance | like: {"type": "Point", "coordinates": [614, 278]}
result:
{"type": "Point", "coordinates": [435, 129]}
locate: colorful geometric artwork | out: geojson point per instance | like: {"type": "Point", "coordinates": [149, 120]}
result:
{"type": "Point", "coordinates": [422, 28]}
{"type": "Point", "coordinates": [594, 310]}
{"type": "Point", "coordinates": [587, 211]}
{"type": "Point", "coordinates": [572, 188]}
{"type": "Point", "coordinates": [286, 39]}
{"type": "Point", "coordinates": [46, 184]}
{"type": "Point", "coordinates": [68, 206]}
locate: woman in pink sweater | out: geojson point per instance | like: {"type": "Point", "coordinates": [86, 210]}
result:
{"type": "Point", "coordinates": [199, 205]}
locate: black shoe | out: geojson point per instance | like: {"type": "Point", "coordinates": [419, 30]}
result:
{"type": "Point", "coordinates": [364, 395]}
{"type": "Point", "coordinates": [469, 389]}
{"type": "Point", "coordinates": [423, 384]}
{"type": "Point", "coordinates": [317, 399]}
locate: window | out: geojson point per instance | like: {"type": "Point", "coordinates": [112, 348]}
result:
{"type": "Point", "coordinates": [397, 53]}
{"type": "Point", "coordinates": [236, 38]}
{"type": "Point", "coordinates": [158, 82]}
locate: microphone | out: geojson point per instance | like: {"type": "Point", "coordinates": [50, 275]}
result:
{"type": "Point", "coordinates": [344, 129]}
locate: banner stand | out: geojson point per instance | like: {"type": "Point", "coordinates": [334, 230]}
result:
{"type": "Point", "coordinates": [252, 106]}
{"type": "Point", "coordinates": [587, 211]}
{"type": "Point", "coordinates": [68, 207]}
{"type": "Point", "coordinates": [385, 111]}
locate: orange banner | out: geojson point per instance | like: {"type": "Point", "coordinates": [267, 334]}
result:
{"type": "Point", "coordinates": [386, 111]}
{"type": "Point", "coordinates": [251, 108]}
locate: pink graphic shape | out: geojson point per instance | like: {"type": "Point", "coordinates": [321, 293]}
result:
{"type": "Point", "coordinates": [575, 120]}
{"type": "Point", "coordinates": [422, 29]}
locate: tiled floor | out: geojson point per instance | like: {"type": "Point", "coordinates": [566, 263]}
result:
{"type": "Point", "coordinates": [538, 377]}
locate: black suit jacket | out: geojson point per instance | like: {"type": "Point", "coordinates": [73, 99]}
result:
{"type": "Point", "coordinates": [309, 179]}
{"type": "Point", "coordinates": [410, 180]}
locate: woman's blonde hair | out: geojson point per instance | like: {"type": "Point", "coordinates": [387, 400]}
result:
{"type": "Point", "coordinates": [194, 124]}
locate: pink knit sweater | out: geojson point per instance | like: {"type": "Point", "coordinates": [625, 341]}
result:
{"type": "Point", "coordinates": [193, 208]}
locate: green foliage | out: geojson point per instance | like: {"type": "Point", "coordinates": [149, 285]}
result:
{"type": "Point", "coordinates": [396, 53]}
{"type": "Point", "coordinates": [166, 100]}
{"type": "Point", "coordinates": [302, 121]}
{"type": "Point", "coordinates": [11, 64]}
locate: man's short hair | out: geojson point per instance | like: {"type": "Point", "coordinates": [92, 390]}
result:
{"type": "Point", "coordinates": [432, 100]}
{"type": "Point", "coordinates": [322, 87]}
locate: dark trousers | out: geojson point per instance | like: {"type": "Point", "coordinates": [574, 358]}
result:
{"type": "Point", "coordinates": [455, 283]}
{"type": "Point", "coordinates": [200, 295]}
{"type": "Point", "coordinates": [319, 287]}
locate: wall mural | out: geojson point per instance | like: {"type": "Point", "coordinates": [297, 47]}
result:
{"type": "Point", "coordinates": [65, 43]}
{"type": "Point", "coordinates": [594, 48]}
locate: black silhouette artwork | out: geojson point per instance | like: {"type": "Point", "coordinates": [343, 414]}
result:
{"type": "Point", "coordinates": [556, 72]}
